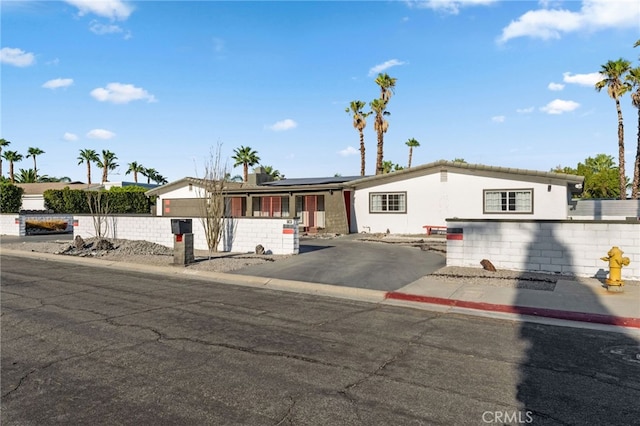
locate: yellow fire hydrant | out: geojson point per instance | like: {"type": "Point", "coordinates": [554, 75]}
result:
{"type": "Point", "coordinates": [616, 262]}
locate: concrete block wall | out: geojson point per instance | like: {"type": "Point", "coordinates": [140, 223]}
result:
{"type": "Point", "coordinates": [11, 224]}
{"type": "Point", "coordinates": [563, 247]}
{"type": "Point", "coordinates": [242, 235]}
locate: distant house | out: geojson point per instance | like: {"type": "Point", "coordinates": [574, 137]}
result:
{"type": "Point", "coordinates": [401, 202]}
{"type": "Point", "coordinates": [408, 200]}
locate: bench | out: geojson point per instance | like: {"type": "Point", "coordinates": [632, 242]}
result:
{"type": "Point", "coordinates": [431, 229]}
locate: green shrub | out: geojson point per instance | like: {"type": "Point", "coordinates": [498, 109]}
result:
{"type": "Point", "coordinates": [74, 201]}
{"type": "Point", "coordinates": [10, 198]}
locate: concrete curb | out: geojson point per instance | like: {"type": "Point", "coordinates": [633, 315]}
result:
{"type": "Point", "coordinates": [521, 310]}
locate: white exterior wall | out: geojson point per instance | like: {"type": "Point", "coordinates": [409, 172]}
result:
{"type": "Point", "coordinates": [244, 233]}
{"type": "Point", "coordinates": [10, 224]}
{"type": "Point", "coordinates": [430, 202]}
{"type": "Point", "coordinates": [564, 247]}
{"type": "Point", "coordinates": [32, 202]}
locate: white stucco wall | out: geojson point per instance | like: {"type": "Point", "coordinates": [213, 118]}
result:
{"type": "Point", "coordinates": [243, 234]}
{"type": "Point", "coordinates": [32, 202]}
{"type": "Point", "coordinates": [430, 201]}
{"type": "Point", "coordinates": [564, 247]}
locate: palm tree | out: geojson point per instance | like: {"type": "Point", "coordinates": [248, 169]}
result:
{"type": "Point", "coordinates": [380, 125]}
{"type": "Point", "coordinates": [275, 174]}
{"type": "Point", "coordinates": [135, 168]}
{"type": "Point", "coordinates": [247, 157]}
{"type": "Point", "coordinates": [3, 143]}
{"type": "Point", "coordinates": [12, 157]}
{"type": "Point", "coordinates": [633, 78]}
{"type": "Point", "coordinates": [411, 143]}
{"type": "Point", "coordinates": [150, 173]}
{"type": "Point", "coordinates": [34, 152]}
{"type": "Point", "coordinates": [107, 163]}
{"type": "Point", "coordinates": [387, 84]}
{"type": "Point", "coordinates": [26, 176]}
{"type": "Point", "coordinates": [613, 73]}
{"type": "Point", "coordinates": [88, 156]}
{"type": "Point", "coordinates": [359, 123]}
{"type": "Point", "coordinates": [235, 178]}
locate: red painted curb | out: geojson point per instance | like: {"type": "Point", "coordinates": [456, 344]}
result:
{"type": "Point", "coordinates": [521, 310]}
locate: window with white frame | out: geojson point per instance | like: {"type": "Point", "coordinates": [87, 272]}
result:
{"type": "Point", "coordinates": [508, 201]}
{"type": "Point", "coordinates": [389, 202]}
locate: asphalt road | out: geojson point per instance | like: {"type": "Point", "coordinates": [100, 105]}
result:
{"type": "Point", "coordinates": [346, 262]}
{"type": "Point", "coordinates": [87, 345]}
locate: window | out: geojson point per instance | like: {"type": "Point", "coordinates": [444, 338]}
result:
{"type": "Point", "coordinates": [508, 201]}
{"type": "Point", "coordinates": [392, 202]}
{"type": "Point", "coordinates": [270, 206]}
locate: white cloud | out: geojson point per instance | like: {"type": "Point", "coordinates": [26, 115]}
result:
{"type": "Point", "coordinates": [385, 66]}
{"type": "Point", "coordinates": [498, 118]}
{"type": "Point", "coordinates": [285, 124]}
{"type": "Point", "coordinates": [525, 110]}
{"type": "Point", "coordinates": [70, 137]}
{"type": "Point", "coordinates": [582, 79]}
{"type": "Point", "coordinates": [58, 83]}
{"type": "Point", "coordinates": [100, 134]}
{"type": "Point", "coordinates": [119, 93]}
{"type": "Point", "coordinates": [16, 57]}
{"type": "Point", "coordinates": [112, 9]}
{"type": "Point", "coordinates": [348, 151]}
{"type": "Point", "coordinates": [556, 87]}
{"type": "Point", "coordinates": [102, 29]}
{"type": "Point", "coordinates": [559, 106]}
{"type": "Point", "coordinates": [593, 15]}
{"type": "Point", "coordinates": [448, 6]}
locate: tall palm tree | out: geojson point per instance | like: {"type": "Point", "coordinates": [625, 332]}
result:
{"type": "Point", "coordinates": [380, 125]}
{"type": "Point", "coordinates": [135, 168]}
{"type": "Point", "coordinates": [411, 143]}
{"type": "Point", "coordinates": [34, 152]}
{"type": "Point", "coordinates": [12, 157]}
{"type": "Point", "coordinates": [88, 156]}
{"type": "Point", "coordinates": [159, 179]}
{"type": "Point", "coordinates": [3, 143]}
{"type": "Point", "coordinates": [633, 78]}
{"type": "Point", "coordinates": [107, 163]}
{"type": "Point", "coordinates": [387, 85]}
{"type": "Point", "coordinates": [613, 73]}
{"type": "Point", "coordinates": [359, 123]}
{"type": "Point", "coordinates": [247, 157]}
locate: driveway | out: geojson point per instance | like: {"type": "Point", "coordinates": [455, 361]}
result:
{"type": "Point", "coordinates": [347, 261]}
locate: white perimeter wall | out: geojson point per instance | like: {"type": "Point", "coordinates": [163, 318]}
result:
{"type": "Point", "coordinates": [430, 202]}
{"type": "Point", "coordinates": [566, 247]}
{"type": "Point", "coordinates": [10, 224]}
{"type": "Point", "coordinates": [278, 236]}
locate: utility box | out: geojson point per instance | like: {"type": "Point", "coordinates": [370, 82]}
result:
{"type": "Point", "coordinates": [181, 226]}
{"type": "Point", "coordinates": [182, 242]}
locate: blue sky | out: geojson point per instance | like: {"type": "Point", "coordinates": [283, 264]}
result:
{"type": "Point", "coordinates": [162, 83]}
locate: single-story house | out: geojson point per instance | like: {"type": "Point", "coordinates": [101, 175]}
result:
{"type": "Point", "coordinates": [319, 203]}
{"type": "Point", "coordinates": [408, 200]}
{"type": "Point", "coordinates": [404, 201]}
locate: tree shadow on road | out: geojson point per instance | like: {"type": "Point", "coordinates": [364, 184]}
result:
{"type": "Point", "coordinates": [572, 375]}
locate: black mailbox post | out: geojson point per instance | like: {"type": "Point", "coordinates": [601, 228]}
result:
{"type": "Point", "coordinates": [181, 226]}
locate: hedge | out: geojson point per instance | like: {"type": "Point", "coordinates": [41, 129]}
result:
{"type": "Point", "coordinates": [120, 200]}
{"type": "Point", "coordinates": [10, 198]}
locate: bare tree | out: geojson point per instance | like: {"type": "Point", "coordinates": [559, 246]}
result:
{"type": "Point", "coordinates": [212, 192]}
{"type": "Point", "coordinates": [99, 208]}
